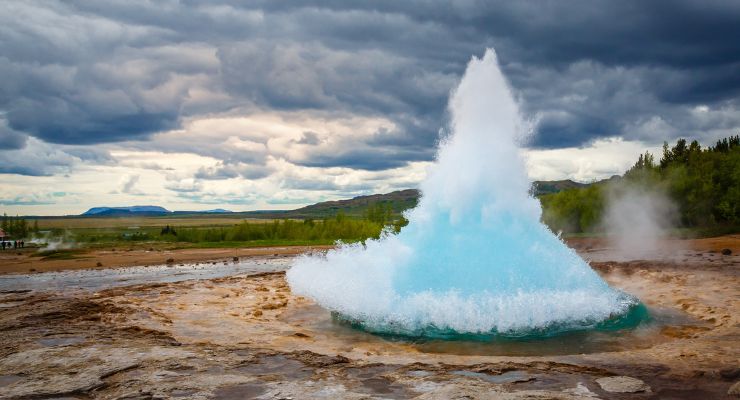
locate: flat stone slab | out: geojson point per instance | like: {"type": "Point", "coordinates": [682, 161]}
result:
{"type": "Point", "coordinates": [623, 384]}
{"type": "Point", "coordinates": [734, 389]}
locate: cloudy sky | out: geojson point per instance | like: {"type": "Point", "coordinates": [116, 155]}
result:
{"type": "Point", "coordinates": [272, 105]}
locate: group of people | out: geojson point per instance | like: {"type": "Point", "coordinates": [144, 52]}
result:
{"type": "Point", "coordinates": [16, 244]}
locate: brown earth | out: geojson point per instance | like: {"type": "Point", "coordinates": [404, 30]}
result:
{"type": "Point", "coordinates": [713, 244]}
{"type": "Point", "coordinates": [249, 337]}
{"type": "Point", "coordinates": [29, 260]}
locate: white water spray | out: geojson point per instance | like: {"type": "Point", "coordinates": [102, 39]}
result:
{"type": "Point", "coordinates": [475, 257]}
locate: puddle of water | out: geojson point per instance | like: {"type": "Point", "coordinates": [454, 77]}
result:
{"type": "Point", "coordinates": [369, 371]}
{"type": "Point", "coordinates": [373, 382]}
{"type": "Point", "coordinates": [99, 279]}
{"type": "Point", "coordinates": [66, 398]}
{"type": "Point", "coordinates": [239, 392]}
{"type": "Point", "coordinates": [419, 374]}
{"type": "Point", "coordinates": [277, 365]}
{"type": "Point", "coordinates": [10, 304]}
{"type": "Point", "coordinates": [7, 380]}
{"type": "Point", "coordinates": [182, 393]}
{"type": "Point", "coordinates": [583, 342]}
{"type": "Point", "coordinates": [385, 387]}
{"type": "Point", "coordinates": [682, 394]}
{"type": "Point", "coordinates": [61, 341]}
{"type": "Point", "coordinates": [506, 377]}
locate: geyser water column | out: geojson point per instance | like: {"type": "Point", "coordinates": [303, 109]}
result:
{"type": "Point", "coordinates": [474, 258]}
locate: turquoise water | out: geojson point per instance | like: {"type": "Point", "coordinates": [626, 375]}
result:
{"type": "Point", "coordinates": [474, 261]}
{"type": "Point", "coordinates": [637, 315]}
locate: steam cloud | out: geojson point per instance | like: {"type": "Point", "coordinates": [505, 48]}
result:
{"type": "Point", "coordinates": [637, 220]}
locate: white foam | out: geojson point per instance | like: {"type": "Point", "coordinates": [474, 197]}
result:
{"type": "Point", "coordinates": [474, 257]}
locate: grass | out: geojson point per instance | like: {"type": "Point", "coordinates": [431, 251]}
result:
{"type": "Point", "coordinates": [140, 222]}
{"type": "Point", "coordinates": [224, 232]}
{"type": "Point", "coordinates": [257, 243]}
{"type": "Point", "coordinates": [61, 254]}
{"type": "Point", "coordinates": [200, 232]}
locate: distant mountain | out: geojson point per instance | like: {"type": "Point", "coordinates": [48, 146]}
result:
{"type": "Point", "coordinates": [216, 211]}
{"type": "Point", "coordinates": [399, 201]}
{"type": "Point", "coordinates": [126, 211]}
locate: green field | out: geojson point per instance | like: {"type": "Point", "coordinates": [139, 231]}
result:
{"type": "Point", "coordinates": [181, 231]}
{"type": "Point", "coordinates": [128, 223]}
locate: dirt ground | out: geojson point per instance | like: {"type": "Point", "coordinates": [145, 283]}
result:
{"type": "Point", "coordinates": [246, 337]}
{"type": "Point", "coordinates": [28, 260]}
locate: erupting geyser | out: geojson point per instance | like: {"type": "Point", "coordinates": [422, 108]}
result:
{"type": "Point", "coordinates": [475, 258]}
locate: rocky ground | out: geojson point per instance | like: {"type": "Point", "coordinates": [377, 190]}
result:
{"type": "Point", "coordinates": [246, 337]}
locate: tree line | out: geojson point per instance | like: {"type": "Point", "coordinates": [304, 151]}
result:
{"type": "Point", "coordinates": [17, 227]}
{"type": "Point", "coordinates": [340, 227]}
{"type": "Point", "coordinates": [703, 183]}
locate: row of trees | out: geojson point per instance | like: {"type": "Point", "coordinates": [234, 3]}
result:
{"type": "Point", "coordinates": [340, 227]}
{"type": "Point", "coordinates": [382, 213]}
{"type": "Point", "coordinates": [703, 184]}
{"type": "Point", "coordinates": [17, 227]}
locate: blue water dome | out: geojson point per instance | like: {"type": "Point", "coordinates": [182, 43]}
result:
{"type": "Point", "coordinates": [475, 258]}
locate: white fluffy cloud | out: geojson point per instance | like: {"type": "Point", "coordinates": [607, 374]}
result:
{"type": "Point", "coordinates": [598, 160]}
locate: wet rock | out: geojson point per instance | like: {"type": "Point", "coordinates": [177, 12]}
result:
{"type": "Point", "coordinates": [506, 377]}
{"type": "Point", "coordinates": [622, 384]}
{"type": "Point", "coordinates": [726, 252]}
{"type": "Point", "coordinates": [235, 259]}
{"type": "Point", "coordinates": [730, 373]}
{"type": "Point", "coordinates": [170, 261]}
{"type": "Point", "coordinates": [242, 391]}
{"type": "Point", "coordinates": [98, 264]}
{"type": "Point", "coordinates": [734, 390]}
{"type": "Point", "coordinates": [57, 372]}
{"type": "Point", "coordinates": [274, 306]}
{"type": "Point", "coordinates": [581, 391]}
{"type": "Point", "coordinates": [318, 360]}
{"type": "Point", "coordinates": [472, 390]}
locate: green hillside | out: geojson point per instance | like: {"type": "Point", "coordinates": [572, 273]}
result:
{"type": "Point", "coordinates": [397, 201]}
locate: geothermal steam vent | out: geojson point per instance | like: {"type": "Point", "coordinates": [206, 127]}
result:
{"type": "Point", "coordinates": [475, 257]}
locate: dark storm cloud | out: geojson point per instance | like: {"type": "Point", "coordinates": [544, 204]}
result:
{"type": "Point", "coordinates": [356, 160]}
{"type": "Point", "coordinates": [233, 170]}
{"type": "Point", "coordinates": [83, 72]}
{"type": "Point", "coordinates": [10, 139]}
{"type": "Point", "coordinates": [36, 159]}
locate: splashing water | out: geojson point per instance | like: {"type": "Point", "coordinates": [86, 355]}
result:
{"type": "Point", "coordinates": [474, 258]}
